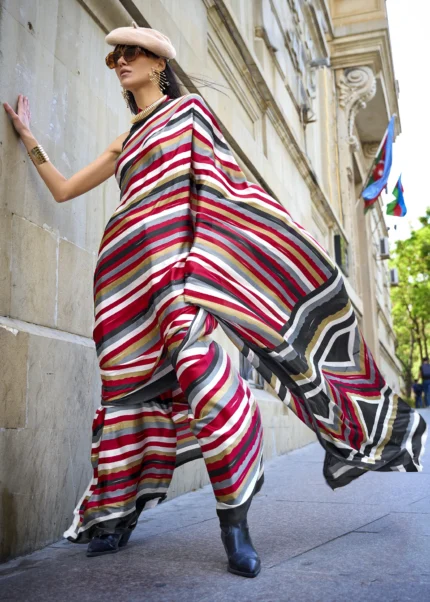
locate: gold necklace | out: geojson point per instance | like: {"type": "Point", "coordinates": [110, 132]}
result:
{"type": "Point", "coordinates": [147, 110]}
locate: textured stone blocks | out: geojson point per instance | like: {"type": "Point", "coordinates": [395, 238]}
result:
{"type": "Point", "coordinates": [5, 257]}
{"type": "Point", "coordinates": [13, 381]}
{"type": "Point", "coordinates": [49, 390]}
{"type": "Point", "coordinates": [75, 300]}
{"type": "Point", "coordinates": [34, 273]}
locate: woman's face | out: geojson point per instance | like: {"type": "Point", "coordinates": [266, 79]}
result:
{"type": "Point", "coordinates": [134, 74]}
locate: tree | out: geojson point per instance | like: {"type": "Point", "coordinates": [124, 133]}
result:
{"type": "Point", "coordinates": [411, 300]}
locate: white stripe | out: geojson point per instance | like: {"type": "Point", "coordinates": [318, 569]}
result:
{"type": "Point", "coordinates": [312, 301]}
{"type": "Point", "coordinates": [160, 115]}
{"type": "Point", "coordinates": [238, 282]}
{"type": "Point", "coordinates": [142, 284]}
{"type": "Point", "coordinates": [119, 451]}
{"type": "Point", "coordinates": [169, 212]}
{"type": "Point", "coordinates": [242, 415]}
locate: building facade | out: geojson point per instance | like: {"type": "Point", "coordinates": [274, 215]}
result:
{"type": "Point", "coordinates": [303, 91]}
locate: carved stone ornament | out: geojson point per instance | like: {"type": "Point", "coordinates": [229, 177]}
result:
{"type": "Point", "coordinates": [370, 149]}
{"type": "Point", "coordinates": [357, 86]}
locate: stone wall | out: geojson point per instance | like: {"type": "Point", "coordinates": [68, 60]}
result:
{"type": "Point", "coordinates": [50, 385]}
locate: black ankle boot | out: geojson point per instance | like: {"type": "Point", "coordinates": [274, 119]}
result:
{"type": "Point", "coordinates": [242, 557]}
{"type": "Point", "coordinates": [108, 543]}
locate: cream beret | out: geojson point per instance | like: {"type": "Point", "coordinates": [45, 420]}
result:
{"type": "Point", "coordinates": [148, 38]}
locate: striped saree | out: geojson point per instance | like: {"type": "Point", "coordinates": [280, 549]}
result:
{"type": "Point", "coordinates": [192, 245]}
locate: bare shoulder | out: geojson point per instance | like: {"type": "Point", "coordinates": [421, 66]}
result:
{"type": "Point", "coordinates": [116, 145]}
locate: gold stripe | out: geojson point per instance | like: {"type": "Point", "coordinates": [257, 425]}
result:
{"type": "Point", "coordinates": [245, 483]}
{"type": "Point", "coordinates": [141, 214]}
{"type": "Point", "coordinates": [235, 443]}
{"type": "Point", "coordinates": [127, 424]}
{"type": "Point", "coordinates": [301, 259]}
{"type": "Point", "coordinates": [142, 264]}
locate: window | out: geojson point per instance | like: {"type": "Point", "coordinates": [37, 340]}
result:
{"type": "Point", "coordinates": [341, 253]}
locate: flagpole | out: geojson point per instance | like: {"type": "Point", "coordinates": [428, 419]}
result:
{"type": "Point", "coordinates": [372, 165]}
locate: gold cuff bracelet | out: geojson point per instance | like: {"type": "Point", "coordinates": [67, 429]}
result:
{"type": "Point", "coordinates": [38, 155]}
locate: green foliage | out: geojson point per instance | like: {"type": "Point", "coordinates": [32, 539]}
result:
{"type": "Point", "coordinates": [411, 300]}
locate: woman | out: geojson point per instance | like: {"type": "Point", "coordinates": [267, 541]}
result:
{"type": "Point", "coordinates": [192, 245]}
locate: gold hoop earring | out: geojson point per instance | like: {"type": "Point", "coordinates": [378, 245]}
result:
{"type": "Point", "coordinates": [158, 78]}
{"type": "Point", "coordinates": [126, 97]}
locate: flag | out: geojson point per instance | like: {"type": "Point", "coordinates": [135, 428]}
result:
{"type": "Point", "coordinates": [397, 207]}
{"type": "Point", "coordinates": [380, 171]}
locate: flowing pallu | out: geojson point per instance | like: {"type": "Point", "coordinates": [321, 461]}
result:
{"type": "Point", "coordinates": [191, 245]}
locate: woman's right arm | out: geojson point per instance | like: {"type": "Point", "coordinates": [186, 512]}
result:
{"type": "Point", "coordinates": [86, 179]}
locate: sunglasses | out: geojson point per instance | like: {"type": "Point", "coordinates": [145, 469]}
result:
{"type": "Point", "coordinates": [130, 53]}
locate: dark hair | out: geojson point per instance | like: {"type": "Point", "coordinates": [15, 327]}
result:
{"type": "Point", "coordinates": [425, 359]}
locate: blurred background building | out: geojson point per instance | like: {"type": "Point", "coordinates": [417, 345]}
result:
{"type": "Point", "coordinates": [303, 91]}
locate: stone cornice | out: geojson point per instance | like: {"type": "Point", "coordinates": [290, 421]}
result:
{"type": "Point", "coordinates": [370, 49]}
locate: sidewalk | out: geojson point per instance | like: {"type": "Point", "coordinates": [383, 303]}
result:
{"type": "Point", "coordinates": [367, 542]}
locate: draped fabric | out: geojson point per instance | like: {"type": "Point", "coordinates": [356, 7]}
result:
{"type": "Point", "coordinates": [193, 244]}
{"type": "Point", "coordinates": [136, 448]}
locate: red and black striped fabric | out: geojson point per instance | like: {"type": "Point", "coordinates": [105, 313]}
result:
{"type": "Point", "coordinates": [193, 244]}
